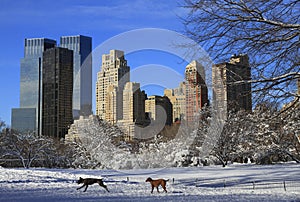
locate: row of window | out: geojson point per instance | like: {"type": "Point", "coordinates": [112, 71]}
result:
{"type": "Point", "coordinates": [70, 40]}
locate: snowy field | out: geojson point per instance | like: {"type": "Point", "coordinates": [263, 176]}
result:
{"type": "Point", "coordinates": [233, 183]}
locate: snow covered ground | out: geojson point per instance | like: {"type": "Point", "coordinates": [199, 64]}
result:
{"type": "Point", "coordinates": [234, 183]}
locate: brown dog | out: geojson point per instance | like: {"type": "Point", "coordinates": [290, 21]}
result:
{"type": "Point", "coordinates": [156, 183]}
{"type": "Point", "coordinates": [89, 181]}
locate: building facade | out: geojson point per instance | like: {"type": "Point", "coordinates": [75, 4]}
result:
{"type": "Point", "coordinates": [177, 97]}
{"type": "Point", "coordinates": [133, 110]}
{"type": "Point", "coordinates": [57, 91]}
{"type": "Point", "coordinates": [196, 90]}
{"type": "Point", "coordinates": [24, 119]}
{"type": "Point", "coordinates": [151, 107]}
{"type": "Point", "coordinates": [82, 60]}
{"type": "Point", "coordinates": [110, 84]}
{"type": "Point", "coordinates": [134, 103]}
{"type": "Point", "coordinates": [227, 95]}
{"type": "Point", "coordinates": [30, 85]}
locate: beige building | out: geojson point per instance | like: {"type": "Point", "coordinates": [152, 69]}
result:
{"type": "Point", "coordinates": [110, 83]}
{"type": "Point", "coordinates": [151, 107]}
{"type": "Point", "coordinates": [196, 90]}
{"type": "Point", "coordinates": [177, 98]}
{"type": "Point", "coordinates": [227, 95]}
{"type": "Point", "coordinates": [133, 109]}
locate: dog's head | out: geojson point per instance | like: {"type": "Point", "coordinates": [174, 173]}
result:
{"type": "Point", "coordinates": [149, 179]}
{"type": "Point", "coordinates": [80, 180]}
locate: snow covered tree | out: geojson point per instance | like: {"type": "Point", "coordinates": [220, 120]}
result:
{"type": "Point", "coordinates": [97, 145]}
{"type": "Point", "coordinates": [270, 135]}
{"type": "Point", "coordinates": [266, 135]}
{"type": "Point", "coordinates": [28, 148]}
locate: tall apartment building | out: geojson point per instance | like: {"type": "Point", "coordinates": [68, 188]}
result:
{"type": "Point", "coordinates": [82, 60]}
{"type": "Point", "coordinates": [177, 97]}
{"type": "Point", "coordinates": [151, 108]}
{"type": "Point", "coordinates": [57, 85]}
{"type": "Point", "coordinates": [133, 109]}
{"type": "Point", "coordinates": [196, 90]}
{"type": "Point", "coordinates": [27, 118]}
{"type": "Point", "coordinates": [226, 94]}
{"type": "Point", "coordinates": [110, 83]}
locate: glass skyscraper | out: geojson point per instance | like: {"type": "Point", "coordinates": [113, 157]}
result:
{"type": "Point", "coordinates": [57, 87]}
{"type": "Point", "coordinates": [31, 66]}
{"type": "Point", "coordinates": [82, 75]}
{"type": "Point", "coordinates": [30, 85]}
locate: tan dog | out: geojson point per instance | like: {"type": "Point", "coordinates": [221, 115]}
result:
{"type": "Point", "coordinates": [89, 181]}
{"type": "Point", "coordinates": [156, 183]}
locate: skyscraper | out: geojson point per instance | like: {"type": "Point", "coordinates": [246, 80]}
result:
{"type": "Point", "coordinates": [110, 83]}
{"type": "Point", "coordinates": [227, 95]}
{"type": "Point", "coordinates": [57, 92]}
{"type": "Point", "coordinates": [196, 90]}
{"type": "Point", "coordinates": [30, 85]}
{"type": "Point", "coordinates": [82, 60]}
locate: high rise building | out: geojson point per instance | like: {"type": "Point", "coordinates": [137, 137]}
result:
{"type": "Point", "coordinates": [82, 60]}
{"type": "Point", "coordinates": [133, 109]}
{"type": "Point", "coordinates": [57, 93]}
{"type": "Point", "coordinates": [227, 95]}
{"type": "Point", "coordinates": [151, 108]}
{"type": "Point", "coordinates": [110, 83]}
{"type": "Point", "coordinates": [196, 90]}
{"type": "Point", "coordinates": [30, 85]}
{"type": "Point", "coordinates": [177, 97]}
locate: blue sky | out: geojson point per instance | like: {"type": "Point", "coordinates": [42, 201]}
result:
{"type": "Point", "coordinates": [101, 20]}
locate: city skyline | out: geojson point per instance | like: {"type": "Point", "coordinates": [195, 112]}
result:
{"type": "Point", "coordinates": [31, 81]}
{"type": "Point", "coordinates": [49, 19]}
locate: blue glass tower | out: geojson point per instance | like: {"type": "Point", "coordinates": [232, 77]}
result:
{"type": "Point", "coordinates": [30, 85]}
{"type": "Point", "coordinates": [82, 75]}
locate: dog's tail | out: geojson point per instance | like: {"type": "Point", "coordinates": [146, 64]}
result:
{"type": "Point", "coordinates": [167, 180]}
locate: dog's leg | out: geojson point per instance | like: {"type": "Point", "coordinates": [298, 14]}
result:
{"type": "Point", "coordinates": [152, 189]}
{"type": "Point", "coordinates": [164, 187]}
{"type": "Point", "coordinates": [157, 189]}
{"type": "Point", "coordinates": [85, 188]}
{"type": "Point", "coordinates": [80, 187]}
{"type": "Point", "coordinates": [103, 185]}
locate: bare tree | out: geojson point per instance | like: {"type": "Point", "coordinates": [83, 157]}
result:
{"type": "Point", "coordinates": [26, 147]}
{"type": "Point", "coordinates": [268, 31]}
